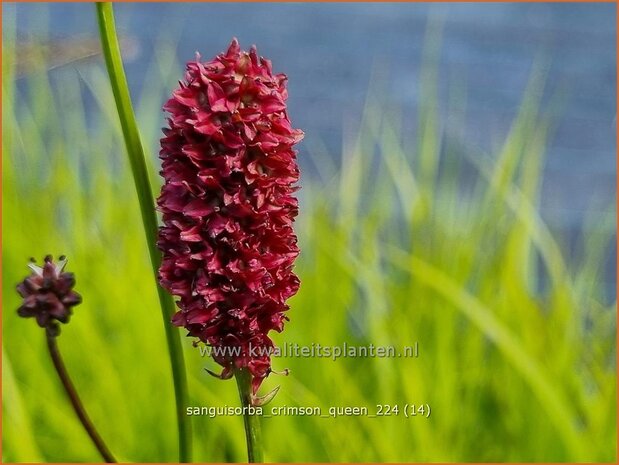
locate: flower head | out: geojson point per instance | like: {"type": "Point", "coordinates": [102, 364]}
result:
{"type": "Point", "coordinates": [228, 207]}
{"type": "Point", "coordinates": [48, 294]}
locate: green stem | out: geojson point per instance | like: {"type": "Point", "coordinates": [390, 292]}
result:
{"type": "Point", "coordinates": [118, 80]}
{"type": "Point", "coordinates": [252, 422]}
{"type": "Point", "coordinates": [63, 374]}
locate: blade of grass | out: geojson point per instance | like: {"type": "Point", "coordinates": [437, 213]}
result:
{"type": "Point", "coordinates": [118, 80]}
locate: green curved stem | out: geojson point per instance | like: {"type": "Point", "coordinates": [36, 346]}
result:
{"type": "Point", "coordinates": [69, 388]}
{"type": "Point", "coordinates": [118, 80]}
{"type": "Point", "coordinates": [252, 422]}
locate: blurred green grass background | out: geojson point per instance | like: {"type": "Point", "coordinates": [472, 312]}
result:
{"type": "Point", "coordinates": [516, 331]}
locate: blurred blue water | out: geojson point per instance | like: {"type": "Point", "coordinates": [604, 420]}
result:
{"type": "Point", "coordinates": [330, 50]}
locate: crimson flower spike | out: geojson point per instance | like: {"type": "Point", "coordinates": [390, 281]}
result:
{"type": "Point", "coordinates": [228, 207]}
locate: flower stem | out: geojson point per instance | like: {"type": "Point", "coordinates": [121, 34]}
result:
{"type": "Point", "coordinates": [75, 400]}
{"type": "Point", "coordinates": [252, 422]}
{"type": "Point", "coordinates": [118, 80]}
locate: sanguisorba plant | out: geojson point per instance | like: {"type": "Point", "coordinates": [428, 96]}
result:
{"type": "Point", "coordinates": [48, 297]}
{"type": "Point", "coordinates": [228, 208]}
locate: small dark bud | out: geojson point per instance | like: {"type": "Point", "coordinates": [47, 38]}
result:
{"type": "Point", "coordinates": [48, 294]}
